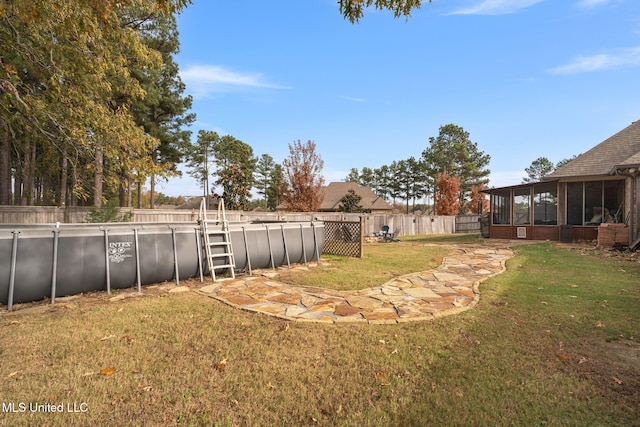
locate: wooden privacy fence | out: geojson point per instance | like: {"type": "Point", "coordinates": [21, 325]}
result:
{"type": "Point", "coordinates": [468, 224]}
{"type": "Point", "coordinates": [401, 225]}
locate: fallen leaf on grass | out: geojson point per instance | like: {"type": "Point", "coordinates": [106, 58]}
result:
{"type": "Point", "coordinates": [221, 365]}
{"type": "Point", "coordinates": [107, 371]}
{"type": "Point", "coordinates": [395, 351]}
{"type": "Point", "coordinates": [13, 374]}
{"type": "Point", "coordinates": [617, 380]}
{"type": "Point", "coordinates": [563, 356]}
{"type": "Point", "coordinates": [270, 386]}
{"type": "Point", "coordinates": [106, 337]}
{"type": "Point", "coordinates": [600, 324]}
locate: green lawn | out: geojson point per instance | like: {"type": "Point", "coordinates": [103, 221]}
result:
{"type": "Point", "coordinates": [554, 341]}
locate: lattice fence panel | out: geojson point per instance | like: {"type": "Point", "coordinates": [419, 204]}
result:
{"type": "Point", "coordinates": [343, 238]}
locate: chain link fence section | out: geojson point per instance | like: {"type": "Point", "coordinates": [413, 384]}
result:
{"type": "Point", "coordinates": [344, 238]}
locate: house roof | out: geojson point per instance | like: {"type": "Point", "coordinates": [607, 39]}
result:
{"type": "Point", "coordinates": [335, 191]}
{"type": "Point", "coordinates": [194, 203]}
{"type": "Point", "coordinates": [621, 150]}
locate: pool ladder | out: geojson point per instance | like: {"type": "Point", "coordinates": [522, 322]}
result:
{"type": "Point", "coordinates": [219, 226]}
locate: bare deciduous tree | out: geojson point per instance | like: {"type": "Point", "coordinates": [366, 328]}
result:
{"type": "Point", "coordinates": [303, 176]}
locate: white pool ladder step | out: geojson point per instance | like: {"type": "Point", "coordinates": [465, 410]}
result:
{"type": "Point", "coordinates": [218, 226]}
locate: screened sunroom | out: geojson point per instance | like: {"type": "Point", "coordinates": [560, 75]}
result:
{"type": "Point", "coordinates": [541, 211]}
{"type": "Point", "coordinates": [596, 193]}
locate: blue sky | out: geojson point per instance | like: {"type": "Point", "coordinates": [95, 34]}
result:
{"type": "Point", "coordinates": [526, 78]}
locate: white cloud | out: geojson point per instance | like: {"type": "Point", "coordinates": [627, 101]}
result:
{"type": "Point", "coordinates": [603, 61]}
{"type": "Point", "coordinates": [593, 3]}
{"type": "Point", "coordinates": [496, 7]}
{"type": "Point", "coordinates": [202, 80]}
{"type": "Point", "coordinates": [351, 98]}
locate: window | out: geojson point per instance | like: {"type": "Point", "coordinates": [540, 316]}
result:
{"type": "Point", "coordinates": [595, 202]}
{"type": "Point", "coordinates": [574, 203]}
{"type": "Point", "coordinates": [614, 201]}
{"type": "Point", "coordinates": [521, 206]}
{"type": "Point", "coordinates": [545, 204]}
{"type": "Point", "coordinates": [593, 214]}
{"type": "Point", "coordinates": [501, 207]}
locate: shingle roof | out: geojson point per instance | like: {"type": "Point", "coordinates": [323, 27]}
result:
{"type": "Point", "coordinates": [335, 191]}
{"type": "Point", "coordinates": [621, 149]}
{"type": "Point", "coordinates": [194, 203]}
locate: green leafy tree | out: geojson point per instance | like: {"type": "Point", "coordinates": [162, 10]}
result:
{"type": "Point", "coordinates": [264, 169]}
{"type": "Point", "coordinates": [383, 181]}
{"type": "Point", "coordinates": [200, 156]}
{"type": "Point", "coordinates": [353, 10]}
{"type": "Point", "coordinates": [276, 187]}
{"type": "Point", "coordinates": [164, 111]}
{"type": "Point", "coordinates": [418, 180]}
{"type": "Point", "coordinates": [564, 161]}
{"type": "Point", "coordinates": [353, 176]}
{"type": "Point", "coordinates": [453, 151]}
{"type": "Point", "coordinates": [404, 181]}
{"type": "Point", "coordinates": [67, 90]}
{"type": "Point", "coordinates": [538, 169]}
{"type": "Point", "coordinates": [351, 203]}
{"type": "Point", "coordinates": [365, 178]}
{"type": "Point", "coordinates": [236, 166]}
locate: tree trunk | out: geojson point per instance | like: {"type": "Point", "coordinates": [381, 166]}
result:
{"type": "Point", "coordinates": [5, 166]}
{"type": "Point", "coordinates": [62, 185]}
{"type": "Point", "coordinates": [129, 192]}
{"type": "Point", "coordinates": [152, 189]}
{"type": "Point", "coordinates": [73, 199]}
{"type": "Point", "coordinates": [17, 183]}
{"type": "Point", "coordinates": [122, 196]}
{"type": "Point", "coordinates": [152, 185]}
{"type": "Point", "coordinates": [28, 175]}
{"type": "Point", "coordinates": [139, 195]}
{"type": "Point", "coordinates": [98, 175]}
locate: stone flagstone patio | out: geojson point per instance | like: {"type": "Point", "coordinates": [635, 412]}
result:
{"type": "Point", "coordinates": [450, 288]}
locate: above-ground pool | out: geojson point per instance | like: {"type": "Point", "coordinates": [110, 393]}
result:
{"type": "Point", "coordinates": [49, 261]}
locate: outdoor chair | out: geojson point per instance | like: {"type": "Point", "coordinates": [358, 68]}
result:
{"type": "Point", "coordinates": [382, 232]}
{"type": "Point", "coordinates": [386, 235]}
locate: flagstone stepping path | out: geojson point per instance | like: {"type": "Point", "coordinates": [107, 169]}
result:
{"type": "Point", "coordinates": [450, 288]}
